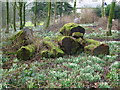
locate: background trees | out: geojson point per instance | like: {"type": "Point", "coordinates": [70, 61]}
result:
{"type": "Point", "coordinates": [7, 15]}
{"type": "Point", "coordinates": [111, 16]}
{"type": "Point", "coordinates": [49, 14]}
{"type": "Point", "coordinates": [56, 10]}
{"type": "Point", "coordinates": [14, 16]}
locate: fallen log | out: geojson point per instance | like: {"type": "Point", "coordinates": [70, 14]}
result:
{"type": "Point", "coordinates": [94, 47]}
{"type": "Point", "coordinates": [51, 50]}
{"type": "Point", "coordinates": [70, 28]}
{"type": "Point", "coordinates": [22, 38]}
{"type": "Point", "coordinates": [26, 52]}
{"type": "Point", "coordinates": [69, 44]}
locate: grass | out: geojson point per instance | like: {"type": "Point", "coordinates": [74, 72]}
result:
{"type": "Point", "coordinates": [80, 71]}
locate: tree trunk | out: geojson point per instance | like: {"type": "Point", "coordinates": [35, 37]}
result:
{"type": "Point", "coordinates": [7, 14]}
{"type": "Point", "coordinates": [49, 14]}
{"type": "Point", "coordinates": [103, 9]}
{"type": "Point", "coordinates": [51, 50]}
{"type": "Point", "coordinates": [35, 23]}
{"type": "Point", "coordinates": [22, 38]}
{"type": "Point", "coordinates": [74, 8]}
{"type": "Point", "coordinates": [111, 14]}
{"type": "Point", "coordinates": [26, 52]}
{"type": "Point", "coordinates": [61, 9]}
{"type": "Point", "coordinates": [69, 45]}
{"type": "Point", "coordinates": [14, 18]}
{"type": "Point", "coordinates": [72, 29]}
{"type": "Point", "coordinates": [24, 13]}
{"type": "Point", "coordinates": [118, 24]}
{"type": "Point", "coordinates": [20, 14]}
{"type": "Point", "coordinates": [94, 47]}
{"type": "Point", "coordinates": [55, 11]}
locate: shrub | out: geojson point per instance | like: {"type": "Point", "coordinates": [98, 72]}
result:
{"type": "Point", "coordinates": [88, 16]}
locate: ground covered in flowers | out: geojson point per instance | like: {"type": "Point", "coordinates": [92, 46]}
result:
{"type": "Point", "coordinates": [79, 71]}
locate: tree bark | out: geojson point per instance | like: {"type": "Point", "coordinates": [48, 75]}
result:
{"type": "Point", "coordinates": [24, 13]}
{"type": "Point", "coordinates": [69, 45]}
{"type": "Point", "coordinates": [20, 14]}
{"type": "Point", "coordinates": [7, 14]}
{"type": "Point", "coordinates": [111, 14]}
{"type": "Point", "coordinates": [26, 52]}
{"type": "Point", "coordinates": [103, 8]}
{"type": "Point", "coordinates": [55, 11]}
{"type": "Point", "coordinates": [74, 8]}
{"type": "Point", "coordinates": [94, 47]}
{"type": "Point", "coordinates": [49, 14]}
{"type": "Point", "coordinates": [35, 23]}
{"type": "Point", "coordinates": [61, 9]}
{"type": "Point", "coordinates": [14, 18]}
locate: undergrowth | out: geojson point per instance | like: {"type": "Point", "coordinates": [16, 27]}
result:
{"type": "Point", "coordinates": [80, 71]}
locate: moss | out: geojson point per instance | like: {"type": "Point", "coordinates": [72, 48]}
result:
{"type": "Point", "coordinates": [77, 34]}
{"type": "Point", "coordinates": [9, 53]}
{"type": "Point", "coordinates": [91, 46]}
{"type": "Point", "coordinates": [45, 53]}
{"type": "Point", "coordinates": [91, 41]}
{"type": "Point", "coordinates": [26, 52]}
{"type": "Point", "coordinates": [53, 51]}
{"type": "Point", "coordinates": [65, 30]}
{"type": "Point", "coordinates": [47, 38]}
{"type": "Point", "coordinates": [16, 35]}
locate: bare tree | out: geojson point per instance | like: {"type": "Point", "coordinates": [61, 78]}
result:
{"type": "Point", "coordinates": [20, 14]}
{"type": "Point", "coordinates": [35, 14]}
{"type": "Point", "coordinates": [55, 11]}
{"type": "Point", "coordinates": [49, 14]}
{"type": "Point", "coordinates": [111, 14]}
{"type": "Point", "coordinates": [74, 8]}
{"type": "Point", "coordinates": [103, 8]}
{"type": "Point", "coordinates": [24, 14]}
{"type": "Point", "coordinates": [14, 16]}
{"type": "Point", "coordinates": [7, 19]}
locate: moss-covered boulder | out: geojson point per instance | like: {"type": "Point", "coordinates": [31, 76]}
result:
{"type": "Point", "coordinates": [69, 44]}
{"type": "Point", "coordinates": [26, 52]}
{"type": "Point", "coordinates": [51, 49]}
{"type": "Point", "coordinates": [70, 28]}
{"type": "Point", "coordinates": [94, 47]}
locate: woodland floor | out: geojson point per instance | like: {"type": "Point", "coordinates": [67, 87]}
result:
{"type": "Point", "coordinates": [78, 71]}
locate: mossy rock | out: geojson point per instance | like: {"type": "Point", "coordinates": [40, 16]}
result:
{"type": "Point", "coordinates": [52, 50]}
{"type": "Point", "coordinates": [69, 28]}
{"type": "Point", "coordinates": [69, 45]}
{"type": "Point", "coordinates": [26, 52]}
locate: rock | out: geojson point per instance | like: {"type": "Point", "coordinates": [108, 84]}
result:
{"type": "Point", "coordinates": [70, 28]}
